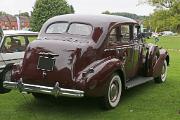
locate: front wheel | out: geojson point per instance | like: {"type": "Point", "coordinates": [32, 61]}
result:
{"type": "Point", "coordinates": [163, 76]}
{"type": "Point", "coordinates": [113, 92]}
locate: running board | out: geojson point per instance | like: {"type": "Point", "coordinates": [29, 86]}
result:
{"type": "Point", "coordinates": [138, 81]}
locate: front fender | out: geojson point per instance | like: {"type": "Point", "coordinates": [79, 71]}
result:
{"type": "Point", "coordinates": [153, 51]}
{"type": "Point", "coordinates": [97, 78]}
{"type": "Point", "coordinates": [159, 63]}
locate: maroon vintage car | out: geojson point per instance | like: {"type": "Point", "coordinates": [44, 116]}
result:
{"type": "Point", "coordinates": [88, 55]}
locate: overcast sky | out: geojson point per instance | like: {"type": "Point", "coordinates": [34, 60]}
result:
{"type": "Point", "coordinates": [82, 6]}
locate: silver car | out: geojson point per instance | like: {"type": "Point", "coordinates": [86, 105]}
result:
{"type": "Point", "coordinates": [12, 46]}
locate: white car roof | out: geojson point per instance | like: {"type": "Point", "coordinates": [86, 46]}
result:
{"type": "Point", "coordinates": [18, 32]}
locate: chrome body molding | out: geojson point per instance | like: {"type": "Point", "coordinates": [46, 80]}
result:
{"type": "Point", "coordinates": [122, 48]}
{"type": "Point", "coordinates": [55, 91]}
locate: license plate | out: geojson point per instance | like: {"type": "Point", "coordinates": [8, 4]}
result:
{"type": "Point", "coordinates": [46, 63]}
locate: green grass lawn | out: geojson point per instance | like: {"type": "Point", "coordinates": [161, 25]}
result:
{"type": "Point", "coordinates": [171, 42]}
{"type": "Point", "coordinates": [146, 102]}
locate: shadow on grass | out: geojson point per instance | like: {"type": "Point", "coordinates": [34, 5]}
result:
{"type": "Point", "coordinates": [81, 107]}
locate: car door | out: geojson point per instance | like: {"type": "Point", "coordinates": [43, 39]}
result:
{"type": "Point", "coordinates": [137, 50]}
{"type": "Point", "coordinates": [126, 31]}
{"type": "Point", "coordinates": [121, 46]}
{"type": "Point", "coordinates": [12, 49]}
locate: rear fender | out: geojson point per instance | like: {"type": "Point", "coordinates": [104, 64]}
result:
{"type": "Point", "coordinates": [99, 75]}
{"type": "Point", "coordinates": [159, 63]}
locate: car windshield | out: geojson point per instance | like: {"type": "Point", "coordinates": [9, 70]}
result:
{"type": "Point", "coordinates": [74, 29]}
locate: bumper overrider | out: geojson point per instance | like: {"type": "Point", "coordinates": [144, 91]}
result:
{"type": "Point", "coordinates": [55, 91]}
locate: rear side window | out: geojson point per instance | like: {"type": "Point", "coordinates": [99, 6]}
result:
{"type": "Point", "coordinates": [56, 28]}
{"type": "Point", "coordinates": [80, 29]}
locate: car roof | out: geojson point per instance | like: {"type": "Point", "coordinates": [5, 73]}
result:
{"type": "Point", "coordinates": [101, 20]}
{"type": "Point", "coordinates": [92, 19]}
{"type": "Point", "coordinates": [18, 32]}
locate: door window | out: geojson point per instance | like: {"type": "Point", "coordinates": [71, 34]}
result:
{"type": "Point", "coordinates": [113, 36]}
{"type": "Point", "coordinates": [135, 34]}
{"type": "Point", "coordinates": [125, 32]}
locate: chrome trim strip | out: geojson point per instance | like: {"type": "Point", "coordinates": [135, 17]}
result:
{"type": "Point", "coordinates": [54, 60]}
{"type": "Point", "coordinates": [11, 60]}
{"type": "Point", "coordinates": [121, 47]}
{"type": "Point", "coordinates": [48, 54]}
{"type": "Point", "coordinates": [55, 91]}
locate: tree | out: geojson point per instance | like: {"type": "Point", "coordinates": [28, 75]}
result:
{"type": "Point", "coordinates": [2, 13]}
{"type": "Point", "coordinates": [72, 9]}
{"type": "Point", "coordinates": [26, 14]}
{"type": "Point", "coordinates": [162, 3]}
{"type": "Point", "coordinates": [166, 16]}
{"type": "Point", "coordinates": [45, 9]}
{"type": "Point", "coordinates": [125, 14]}
{"type": "Point", "coordinates": [106, 12]}
{"type": "Point", "coordinates": [175, 16]}
{"type": "Point", "coordinates": [161, 20]}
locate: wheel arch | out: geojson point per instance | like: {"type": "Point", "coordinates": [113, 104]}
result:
{"type": "Point", "coordinates": [121, 73]}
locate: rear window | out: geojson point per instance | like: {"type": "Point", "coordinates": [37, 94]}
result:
{"type": "Point", "coordinates": [80, 29]}
{"type": "Point", "coordinates": [74, 29]}
{"type": "Point", "coordinates": [57, 28]}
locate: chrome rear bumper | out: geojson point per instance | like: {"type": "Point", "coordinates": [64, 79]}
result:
{"type": "Point", "coordinates": [55, 91]}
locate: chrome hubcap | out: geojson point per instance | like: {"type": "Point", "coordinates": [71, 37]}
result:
{"type": "Point", "coordinates": [114, 91]}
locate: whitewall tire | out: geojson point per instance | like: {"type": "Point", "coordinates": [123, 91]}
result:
{"type": "Point", "coordinates": [113, 92]}
{"type": "Point", "coordinates": [163, 76]}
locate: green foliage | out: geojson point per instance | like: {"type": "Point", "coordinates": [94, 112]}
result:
{"type": "Point", "coordinates": [45, 9]}
{"type": "Point", "coordinates": [25, 14]}
{"type": "Point", "coordinates": [2, 13]}
{"type": "Point", "coordinates": [168, 42]}
{"type": "Point", "coordinates": [160, 20]}
{"type": "Point", "coordinates": [162, 3]}
{"type": "Point", "coordinates": [72, 9]}
{"type": "Point", "coordinates": [146, 102]}
{"type": "Point", "coordinates": [165, 19]}
{"type": "Point", "coordinates": [125, 14]}
{"type": "Point", "coordinates": [175, 13]}
{"type": "Point", "coordinates": [106, 12]}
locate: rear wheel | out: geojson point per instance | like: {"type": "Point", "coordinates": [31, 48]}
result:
{"type": "Point", "coordinates": [113, 92]}
{"type": "Point", "coordinates": [162, 77]}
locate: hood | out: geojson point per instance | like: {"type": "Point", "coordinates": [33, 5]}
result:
{"type": "Point", "coordinates": [70, 59]}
